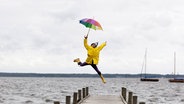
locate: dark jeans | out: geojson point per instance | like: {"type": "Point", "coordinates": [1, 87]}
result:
{"type": "Point", "coordinates": [93, 65]}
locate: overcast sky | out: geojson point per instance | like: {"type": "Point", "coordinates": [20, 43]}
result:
{"type": "Point", "coordinates": [44, 36]}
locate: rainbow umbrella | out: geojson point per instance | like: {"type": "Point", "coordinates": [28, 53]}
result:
{"type": "Point", "coordinates": [91, 23]}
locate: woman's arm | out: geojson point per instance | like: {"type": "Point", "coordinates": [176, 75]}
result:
{"type": "Point", "coordinates": [102, 45]}
{"type": "Point", "coordinates": [86, 42]}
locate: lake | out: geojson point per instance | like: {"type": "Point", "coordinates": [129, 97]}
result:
{"type": "Point", "coordinates": [37, 90]}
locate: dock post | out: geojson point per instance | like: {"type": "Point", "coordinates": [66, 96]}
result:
{"type": "Point", "coordinates": [87, 91]}
{"type": "Point", "coordinates": [142, 103]}
{"type": "Point", "coordinates": [75, 98]}
{"type": "Point", "coordinates": [56, 102]}
{"type": "Point", "coordinates": [123, 92]}
{"type": "Point", "coordinates": [79, 95]}
{"type": "Point", "coordinates": [68, 98]}
{"type": "Point", "coordinates": [134, 99]}
{"type": "Point", "coordinates": [130, 98]}
{"type": "Point", "coordinates": [84, 92]}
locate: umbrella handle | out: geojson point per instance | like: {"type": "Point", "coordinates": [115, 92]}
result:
{"type": "Point", "coordinates": [88, 32]}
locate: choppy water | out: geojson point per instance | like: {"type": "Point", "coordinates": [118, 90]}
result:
{"type": "Point", "coordinates": [47, 90]}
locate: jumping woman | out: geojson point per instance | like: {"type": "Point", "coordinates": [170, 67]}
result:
{"type": "Point", "coordinates": [93, 52]}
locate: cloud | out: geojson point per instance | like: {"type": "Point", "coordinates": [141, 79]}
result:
{"type": "Point", "coordinates": [45, 36]}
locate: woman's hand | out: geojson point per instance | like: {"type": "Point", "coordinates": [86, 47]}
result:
{"type": "Point", "coordinates": [86, 37]}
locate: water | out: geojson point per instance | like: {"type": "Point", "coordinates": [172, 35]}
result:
{"type": "Point", "coordinates": [47, 90]}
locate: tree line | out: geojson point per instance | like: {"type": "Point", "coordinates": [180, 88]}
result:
{"type": "Point", "coordinates": [2, 74]}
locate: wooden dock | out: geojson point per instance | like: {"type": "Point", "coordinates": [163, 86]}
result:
{"type": "Point", "coordinates": [83, 97]}
{"type": "Point", "coordinates": [103, 99]}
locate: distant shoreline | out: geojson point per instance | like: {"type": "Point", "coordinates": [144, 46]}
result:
{"type": "Point", "coordinates": [4, 74]}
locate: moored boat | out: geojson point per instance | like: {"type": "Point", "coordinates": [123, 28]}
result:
{"type": "Point", "coordinates": [144, 76]}
{"type": "Point", "coordinates": [149, 79]}
{"type": "Point", "coordinates": [176, 79]}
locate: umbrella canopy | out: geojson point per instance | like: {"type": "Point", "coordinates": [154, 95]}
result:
{"type": "Point", "coordinates": [91, 23]}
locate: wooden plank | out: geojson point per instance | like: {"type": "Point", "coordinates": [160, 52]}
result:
{"type": "Point", "coordinates": [103, 99]}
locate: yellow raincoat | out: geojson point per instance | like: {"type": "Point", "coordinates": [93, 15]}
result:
{"type": "Point", "coordinates": [93, 53]}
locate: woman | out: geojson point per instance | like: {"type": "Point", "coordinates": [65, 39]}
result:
{"type": "Point", "coordinates": [93, 56]}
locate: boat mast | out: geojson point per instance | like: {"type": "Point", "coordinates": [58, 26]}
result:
{"type": "Point", "coordinates": [174, 64]}
{"type": "Point", "coordinates": [145, 60]}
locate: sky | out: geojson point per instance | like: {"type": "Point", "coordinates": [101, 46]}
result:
{"type": "Point", "coordinates": [45, 36]}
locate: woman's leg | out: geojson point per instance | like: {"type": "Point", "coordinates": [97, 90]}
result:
{"type": "Point", "coordinates": [99, 73]}
{"type": "Point", "coordinates": [82, 64]}
{"type": "Point", "coordinates": [96, 69]}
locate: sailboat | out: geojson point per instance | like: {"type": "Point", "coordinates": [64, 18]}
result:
{"type": "Point", "coordinates": [176, 79]}
{"type": "Point", "coordinates": [143, 76]}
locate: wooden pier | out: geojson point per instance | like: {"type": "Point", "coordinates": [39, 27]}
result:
{"type": "Point", "coordinates": [103, 99]}
{"type": "Point", "coordinates": [83, 97]}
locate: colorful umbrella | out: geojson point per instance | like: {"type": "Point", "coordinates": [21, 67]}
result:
{"type": "Point", "coordinates": [91, 23]}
